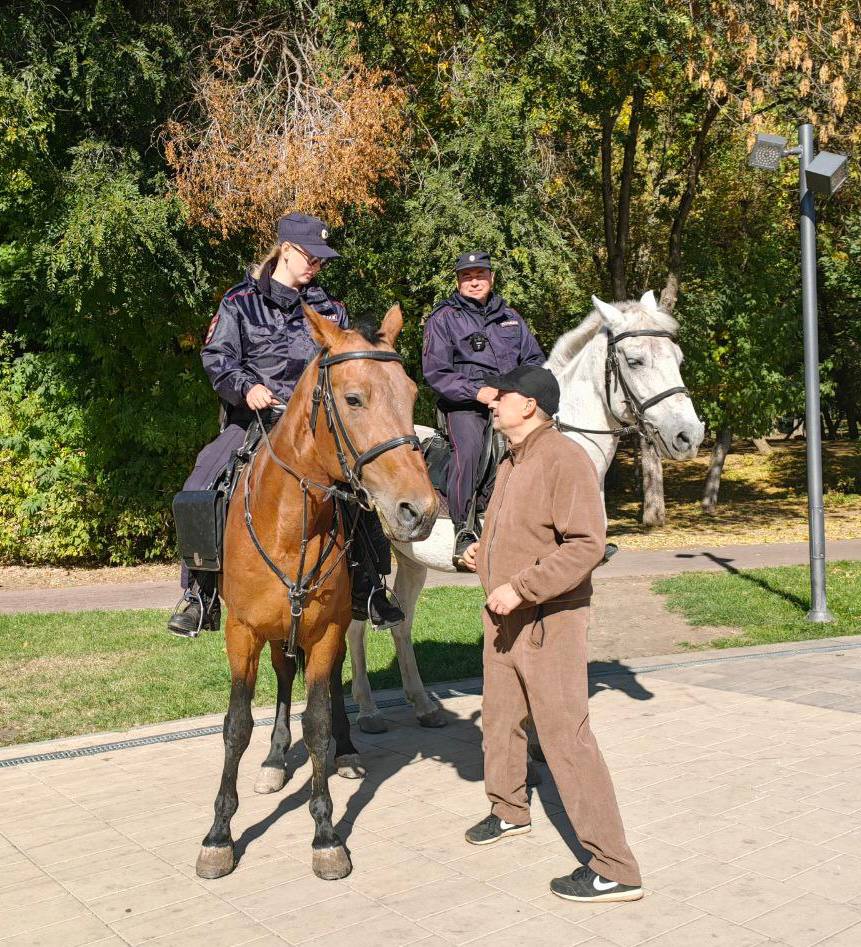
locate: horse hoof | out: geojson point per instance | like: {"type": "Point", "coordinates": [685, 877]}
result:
{"type": "Point", "coordinates": [533, 774]}
{"type": "Point", "coordinates": [215, 861]}
{"type": "Point", "coordinates": [330, 864]}
{"type": "Point", "coordinates": [373, 723]}
{"type": "Point", "coordinates": [349, 766]}
{"type": "Point", "coordinates": [434, 719]}
{"type": "Point", "coordinates": [270, 779]}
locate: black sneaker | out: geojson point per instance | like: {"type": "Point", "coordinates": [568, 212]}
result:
{"type": "Point", "coordinates": [586, 885]}
{"type": "Point", "coordinates": [185, 621]}
{"type": "Point", "coordinates": [382, 614]}
{"type": "Point", "coordinates": [492, 829]}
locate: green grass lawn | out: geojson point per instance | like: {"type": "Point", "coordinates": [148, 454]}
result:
{"type": "Point", "coordinates": [67, 674]}
{"type": "Point", "coordinates": [767, 605]}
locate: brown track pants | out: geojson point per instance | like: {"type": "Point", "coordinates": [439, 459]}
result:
{"type": "Point", "coordinates": [540, 666]}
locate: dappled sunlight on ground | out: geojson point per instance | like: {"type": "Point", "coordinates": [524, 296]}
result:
{"type": "Point", "coordinates": [762, 499]}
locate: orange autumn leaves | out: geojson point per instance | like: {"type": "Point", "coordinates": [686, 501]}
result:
{"type": "Point", "coordinates": [275, 126]}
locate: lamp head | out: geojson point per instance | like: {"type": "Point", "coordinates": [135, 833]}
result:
{"type": "Point", "coordinates": [767, 152]}
{"type": "Point", "coordinates": [827, 172]}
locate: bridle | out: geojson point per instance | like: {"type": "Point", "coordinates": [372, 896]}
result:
{"type": "Point", "coordinates": [614, 380]}
{"type": "Point", "coordinates": [306, 583]}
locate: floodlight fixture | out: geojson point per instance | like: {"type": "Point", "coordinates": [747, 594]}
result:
{"type": "Point", "coordinates": [827, 172]}
{"type": "Point", "coordinates": [767, 152]}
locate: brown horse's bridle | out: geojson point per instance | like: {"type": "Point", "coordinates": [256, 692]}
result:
{"type": "Point", "coordinates": [308, 582]}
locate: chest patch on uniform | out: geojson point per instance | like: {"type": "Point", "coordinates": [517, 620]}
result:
{"type": "Point", "coordinates": [508, 322]}
{"type": "Point", "coordinates": [210, 332]}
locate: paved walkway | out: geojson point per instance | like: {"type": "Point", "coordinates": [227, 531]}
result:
{"type": "Point", "coordinates": [739, 776]}
{"type": "Point", "coordinates": [627, 563]}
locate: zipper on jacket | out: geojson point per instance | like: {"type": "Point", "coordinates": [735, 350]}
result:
{"type": "Point", "coordinates": [496, 524]}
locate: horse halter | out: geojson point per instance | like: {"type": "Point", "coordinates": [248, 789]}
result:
{"type": "Point", "coordinates": [613, 379]}
{"type": "Point", "coordinates": [323, 394]}
{"type": "Point", "coordinates": [308, 582]}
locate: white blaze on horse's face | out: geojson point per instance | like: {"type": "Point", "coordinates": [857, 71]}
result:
{"type": "Point", "coordinates": [650, 365]}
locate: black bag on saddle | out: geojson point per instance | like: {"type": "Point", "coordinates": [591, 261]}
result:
{"type": "Point", "coordinates": [199, 516]}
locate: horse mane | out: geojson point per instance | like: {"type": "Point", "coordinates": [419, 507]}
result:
{"type": "Point", "coordinates": [569, 345]}
{"type": "Point", "coordinates": [367, 329]}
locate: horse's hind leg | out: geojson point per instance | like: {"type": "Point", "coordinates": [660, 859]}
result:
{"type": "Point", "coordinates": [243, 649]}
{"type": "Point", "coordinates": [273, 771]}
{"type": "Point", "coordinates": [409, 582]}
{"type": "Point", "coordinates": [347, 760]}
{"type": "Point", "coordinates": [329, 857]}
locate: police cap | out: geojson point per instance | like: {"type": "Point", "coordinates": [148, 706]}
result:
{"type": "Point", "coordinates": [310, 233]}
{"type": "Point", "coordinates": [531, 382]}
{"type": "Point", "coordinates": [475, 259]}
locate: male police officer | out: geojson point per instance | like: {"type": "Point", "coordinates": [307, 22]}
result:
{"type": "Point", "coordinates": [257, 346]}
{"type": "Point", "coordinates": [471, 333]}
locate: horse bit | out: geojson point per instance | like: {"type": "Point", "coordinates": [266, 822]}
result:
{"type": "Point", "coordinates": [305, 584]}
{"type": "Point", "coordinates": [613, 379]}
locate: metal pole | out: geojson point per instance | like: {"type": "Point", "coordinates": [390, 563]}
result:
{"type": "Point", "coordinates": [816, 512]}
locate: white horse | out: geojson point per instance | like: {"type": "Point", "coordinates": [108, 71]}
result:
{"type": "Point", "coordinates": [617, 370]}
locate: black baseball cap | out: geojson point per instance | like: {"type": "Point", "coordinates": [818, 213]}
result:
{"type": "Point", "coordinates": [531, 382]}
{"type": "Point", "coordinates": [475, 259]}
{"type": "Point", "coordinates": [310, 233]}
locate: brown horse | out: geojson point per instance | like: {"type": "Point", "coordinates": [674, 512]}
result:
{"type": "Point", "coordinates": [349, 419]}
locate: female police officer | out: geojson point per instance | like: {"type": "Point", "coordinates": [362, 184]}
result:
{"type": "Point", "coordinates": [256, 348]}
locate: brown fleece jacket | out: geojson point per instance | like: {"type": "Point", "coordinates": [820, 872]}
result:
{"type": "Point", "coordinates": [544, 528]}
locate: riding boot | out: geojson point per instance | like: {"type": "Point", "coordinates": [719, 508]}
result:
{"type": "Point", "coordinates": [463, 539]}
{"type": "Point", "coordinates": [370, 602]}
{"type": "Point", "coordinates": [200, 609]}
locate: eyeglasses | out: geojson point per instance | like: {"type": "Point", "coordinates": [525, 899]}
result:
{"type": "Point", "coordinates": [309, 259]}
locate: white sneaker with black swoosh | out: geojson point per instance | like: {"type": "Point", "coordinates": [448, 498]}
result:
{"type": "Point", "coordinates": [587, 885]}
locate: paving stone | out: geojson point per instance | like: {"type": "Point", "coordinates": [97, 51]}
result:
{"type": "Point", "coordinates": [709, 932]}
{"type": "Point", "coordinates": [326, 917]}
{"type": "Point", "coordinates": [418, 903]}
{"type": "Point", "coordinates": [642, 920]}
{"type": "Point", "coordinates": [784, 859]}
{"type": "Point", "coordinates": [469, 921]}
{"type": "Point", "coordinates": [838, 879]}
{"type": "Point", "coordinates": [167, 920]}
{"type": "Point", "coordinates": [77, 931]}
{"type": "Point", "coordinates": [387, 930]}
{"type": "Point", "coordinates": [545, 930]}
{"type": "Point", "coordinates": [806, 921]}
{"type": "Point", "coordinates": [691, 877]}
{"type": "Point", "coordinates": [744, 898]}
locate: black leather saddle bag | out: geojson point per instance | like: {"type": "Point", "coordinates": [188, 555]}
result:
{"type": "Point", "coordinates": [199, 517]}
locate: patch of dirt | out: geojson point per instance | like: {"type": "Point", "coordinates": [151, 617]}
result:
{"type": "Point", "coordinates": [51, 577]}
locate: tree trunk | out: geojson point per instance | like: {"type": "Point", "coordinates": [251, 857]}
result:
{"type": "Point", "coordinates": [654, 512]}
{"type": "Point", "coordinates": [831, 422]}
{"type": "Point", "coordinates": [852, 420]}
{"type": "Point", "coordinates": [712, 486]}
{"type": "Point", "coordinates": [762, 445]}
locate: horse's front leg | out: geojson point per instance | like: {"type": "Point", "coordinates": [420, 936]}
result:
{"type": "Point", "coordinates": [273, 771]}
{"type": "Point", "coordinates": [409, 581]}
{"type": "Point", "coordinates": [329, 857]}
{"type": "Point", "coordinates": [370, 720]}
{"type": "Point", "coordinates": [347, 760]}
{"type": "Point", "coordinates": [243, 650]}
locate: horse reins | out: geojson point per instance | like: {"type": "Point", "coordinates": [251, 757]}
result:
{"type": "Point", "coordinates": [613, 378]}
{"type": "Point", "coordinates": [308, 582]}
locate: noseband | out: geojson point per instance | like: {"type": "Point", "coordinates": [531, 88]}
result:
{"type": "Point", "coordinates": [614, 379]}
{"type": "Point", "coordinates": [308, 582]}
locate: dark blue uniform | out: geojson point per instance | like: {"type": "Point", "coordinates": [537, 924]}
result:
{"type": "Point", "coordinates": [258, 336]}
{"type": "Point", "coordinates": [464, 341]}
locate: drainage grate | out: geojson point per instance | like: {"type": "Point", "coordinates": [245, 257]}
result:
{"type": "Point", "coordinates": [385, 703]}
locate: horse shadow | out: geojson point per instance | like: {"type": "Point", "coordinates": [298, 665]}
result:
{"type": "Point", "coordinates": [457, 745]}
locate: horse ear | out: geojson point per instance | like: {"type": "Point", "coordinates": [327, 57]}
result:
{"type": "Point", "coordinates": [393, 322]}
{"type": "Point", "coordinates": [609, 313]}
{"type": "Point", "coordinates": [325, 333]}
{"type": "Point", "coordinates": [648, 300]}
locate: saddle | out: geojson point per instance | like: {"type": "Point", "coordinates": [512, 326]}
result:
{"type": "Point", "coordinates": [200, 515]}
{"type": "Point", "coordinates": [437, 451]}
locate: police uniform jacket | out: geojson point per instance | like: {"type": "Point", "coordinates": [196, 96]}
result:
{"type": "Point", "coordinates": [465, 340]}
{"type": "Point", "coordinates": [260, 336]}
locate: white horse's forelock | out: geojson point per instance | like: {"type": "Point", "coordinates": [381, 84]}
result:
{"type": "Point", "coordinates": [635, 316]}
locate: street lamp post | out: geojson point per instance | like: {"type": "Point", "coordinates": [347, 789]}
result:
{"type": "Point", "coordinates": [823, 173]}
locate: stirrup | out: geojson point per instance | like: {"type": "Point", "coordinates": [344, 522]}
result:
{"type": "Point", "coordinates": [384, 588]}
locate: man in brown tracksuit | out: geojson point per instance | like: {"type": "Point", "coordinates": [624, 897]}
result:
{"type": "Point", "coordinates": [543, 535]}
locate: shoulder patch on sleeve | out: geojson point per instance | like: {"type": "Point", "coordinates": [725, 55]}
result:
{"type": "Point", "coordinates": [210, 332]}
{"type": "Point", "coordinates": [509, 322]}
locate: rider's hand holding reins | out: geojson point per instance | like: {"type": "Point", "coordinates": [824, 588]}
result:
{"type": "Point", "coordinates": [260, 397]}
